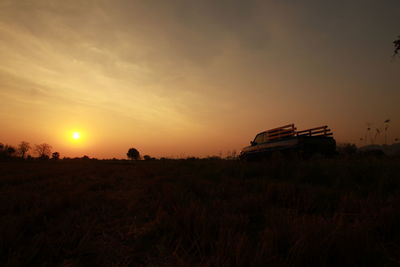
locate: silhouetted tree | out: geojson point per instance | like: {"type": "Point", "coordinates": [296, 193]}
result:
{"type": "Point", "coordinates": [43, 150]}
{"type": "Point", "coordinates": [396, 46]}
{"type": "Point", "coordinates": [23, 148]}
{"type": "Point", "coordinates": [133, 154]}
{"type": "Point", "coordinates": [11, 151]}
{"type": "Point", "coordinates": [55, 156]}
{"type": "Point", "coordinates": [6, 151]}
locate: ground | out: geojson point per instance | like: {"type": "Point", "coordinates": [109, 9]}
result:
{"type": "Point", "coordinates": [325, 212]}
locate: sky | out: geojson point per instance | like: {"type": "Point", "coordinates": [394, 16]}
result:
{"type": "Point", "coordinates": [183, 78]}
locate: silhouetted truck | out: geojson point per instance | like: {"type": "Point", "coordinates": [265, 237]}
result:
{"type": "Point", "coordinates": [287, 139]}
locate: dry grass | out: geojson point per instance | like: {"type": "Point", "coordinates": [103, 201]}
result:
{"type": "Point", "coordinates": [324, 212]}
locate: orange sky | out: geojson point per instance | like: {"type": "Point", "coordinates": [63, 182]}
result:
{"type": "Point", "coordinates": [193, 78]}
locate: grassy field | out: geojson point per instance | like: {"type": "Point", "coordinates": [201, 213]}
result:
{"type": "Point", "coordinates": [325, 212]}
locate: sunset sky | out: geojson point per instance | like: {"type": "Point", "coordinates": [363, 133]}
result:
{"type": "Point", "coordinates": [193, 78]}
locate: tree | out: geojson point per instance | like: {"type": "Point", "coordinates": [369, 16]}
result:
{"type": "Point", "coordinates": [43, 150]}
{"type": "Point", "coordinates": [7, 151]}
{"type": "Point", "coordinates": [55, 156]}
{"type": "Point", "coordinates": [23, 148]}
{"type": "Point", "coordinates": [11, 151]}
{"type": "Point", "coordinates": [396, 46]}
{"type": "Point", "coordinates": [133, 154]}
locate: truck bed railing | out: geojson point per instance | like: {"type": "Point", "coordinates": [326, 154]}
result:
{"type": "Point", "coordinates": [280, 132]}
{"type": "Point", "coordinates": [290, 130]}
{"type": "Point", "coordinates": [317, 131]}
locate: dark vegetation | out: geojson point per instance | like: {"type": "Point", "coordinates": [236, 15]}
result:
{"type": "Point", "coordinates": [396, 44]}
{"type": "Point", "coordinates": [321, 212]}
{"type": "Point", "coordinates": [42, 151]}
{"type": "Point", "coordinates": [133, 154]}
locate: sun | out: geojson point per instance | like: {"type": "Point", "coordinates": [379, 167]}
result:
{"type": "Point", "coordinates": [76, 135]}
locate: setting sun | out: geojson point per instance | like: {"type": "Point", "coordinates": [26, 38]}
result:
{"type": "Point", "coordinates": [76, 135]}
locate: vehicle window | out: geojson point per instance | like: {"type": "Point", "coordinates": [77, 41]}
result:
{"type": "Point", "coordinates": [259, 138]}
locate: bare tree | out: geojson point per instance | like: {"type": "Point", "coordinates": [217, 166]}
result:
{"type": "Point", "coordinates": [23, 148]}
{"type": "Point", "coordinates": [43, 150]}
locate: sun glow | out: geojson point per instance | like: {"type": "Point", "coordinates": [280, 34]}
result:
{"type": "Point", "coordinates": [76, 135]}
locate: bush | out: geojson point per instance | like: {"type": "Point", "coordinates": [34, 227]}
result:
{"type": "Point", "coordinates": [147, 157]}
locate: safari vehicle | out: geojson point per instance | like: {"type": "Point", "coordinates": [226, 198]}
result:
{"type": "Point", "coordinates": [287, 139]}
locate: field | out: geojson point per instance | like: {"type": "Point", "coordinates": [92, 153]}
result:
{"type": "Point", "coordinates": [322, 212]}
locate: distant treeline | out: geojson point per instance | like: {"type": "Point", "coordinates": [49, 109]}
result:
{"type": "Point", "coordinates": [24, 151]}
{"type": "Point", "coordinates": [21, 151]}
